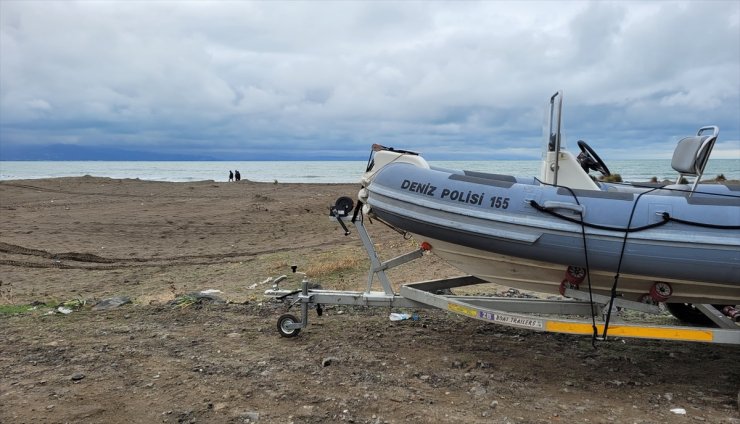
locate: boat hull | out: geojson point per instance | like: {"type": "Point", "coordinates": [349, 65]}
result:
{"type": "Point", "coordinates": [523, 247]}
{"type": "Point", "coordinates": [546, 277]}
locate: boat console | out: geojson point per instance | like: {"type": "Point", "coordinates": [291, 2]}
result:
{"type": "Point", "coordinates": [561, 167]}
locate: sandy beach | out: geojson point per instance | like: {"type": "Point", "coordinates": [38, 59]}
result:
{"type": "Point", "coordinates": [81, 240]}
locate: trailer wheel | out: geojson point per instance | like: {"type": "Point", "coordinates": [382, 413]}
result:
{"type": "Point", "coordinates": [283, 322]}
{"type": "Point", "coordinates": [575, 275]}
{"type": "Point", "coordinates": [661, 291]}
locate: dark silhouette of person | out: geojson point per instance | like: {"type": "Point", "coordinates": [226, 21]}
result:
{"type": "Point", "coordinates": [237, 175]}
{"type": "Point", "coordinates": [231, 176]}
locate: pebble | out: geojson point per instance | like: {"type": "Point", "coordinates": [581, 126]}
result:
{"type": "Point", "coordinates": [478, 391]}
{"type": "Point", "coordinates": [306, 411]}
{"type": "Point", "coordinates": [483, 364]}
{"type": "Point", "coordinates": [112, 303]}
{"type": "Point", "coordinates": [328, 361]}
{"type": "Point", "coordinates": [77, 377]}
{"type": "Point", "coordinates": [250, 417]}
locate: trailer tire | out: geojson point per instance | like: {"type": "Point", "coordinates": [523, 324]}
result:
{"type": "Point", "coordinates": [284, 320]}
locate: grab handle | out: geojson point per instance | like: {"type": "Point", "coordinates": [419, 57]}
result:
{"type": "Point", "coordinates": [550, 205]}
{"type": "Point", "coordinates": [713, 128]}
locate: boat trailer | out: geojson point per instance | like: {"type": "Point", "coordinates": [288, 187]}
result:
{"type": "Point", "coordinates": [544, 315]}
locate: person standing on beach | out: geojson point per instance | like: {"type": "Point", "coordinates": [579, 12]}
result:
{"type": "Point", "coordinates": [231, 176]}
{"type": "Point", "coordinates": [237, 175]}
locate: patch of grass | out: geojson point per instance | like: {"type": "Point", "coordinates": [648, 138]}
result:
{"type": "Point", "coordinates": [14, 309]}
{"type": "Point", "coordinates": [326, 267]}
{"type": "Point", "coordinates": [74, 304]}
{"type": "Point", "coordinates": [184, 301]}
{"type": "Point", "coordinates": [54, 303]}
{"type": "Point", "coordinates": [279, 263]}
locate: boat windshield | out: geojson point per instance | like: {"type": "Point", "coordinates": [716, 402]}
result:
{"type": "Point", "coordinates": [554, 141]}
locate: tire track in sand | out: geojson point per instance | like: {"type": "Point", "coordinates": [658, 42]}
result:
{"type": "Point", "coordinates": [116, 263]}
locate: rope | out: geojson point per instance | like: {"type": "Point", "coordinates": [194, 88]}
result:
{"type": "Point", "coordinates": [613, 293]}
{"type": "Point", "coordinates": [666, 218]}
{"type": "Point", "coordinates": [541, 208]}
{"type": "Point", "coordinates": [594, 329]}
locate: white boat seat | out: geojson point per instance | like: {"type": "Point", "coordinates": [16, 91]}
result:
{"type": "Point", "coordinates": [689, 155]}
{"type": "Point", "coordinates": [692, 153]}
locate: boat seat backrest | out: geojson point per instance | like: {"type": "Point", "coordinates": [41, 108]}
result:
{"type": "Point", "coordinates": [691, 155]}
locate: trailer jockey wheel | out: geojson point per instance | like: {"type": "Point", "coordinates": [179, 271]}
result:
{"type": "Point", "coordinates": [282, 325]}
{"type": "Point", "coordinates": [661, 291]}
{"type": "Point", "coordinates": [575, 275]}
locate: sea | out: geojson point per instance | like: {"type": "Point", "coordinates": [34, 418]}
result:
{"type": "Point", "coordinates": [319, 171]}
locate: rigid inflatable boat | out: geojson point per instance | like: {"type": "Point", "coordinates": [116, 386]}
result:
{"type": "Point", "coordinates": [674, 243]}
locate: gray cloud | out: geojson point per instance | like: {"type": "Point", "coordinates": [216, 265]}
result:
{"type": "Point", "coordinates": [321, 79]}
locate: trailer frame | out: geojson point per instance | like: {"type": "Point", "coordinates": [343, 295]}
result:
{"type": "Point", "coordinates": [544, 315]}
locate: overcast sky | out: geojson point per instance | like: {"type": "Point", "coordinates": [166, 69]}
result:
{"type": "Point", "coordinates": [457, 80]}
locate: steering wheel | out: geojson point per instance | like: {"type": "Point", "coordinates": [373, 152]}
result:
{"type": "Point", "coordinates": [590, 160]}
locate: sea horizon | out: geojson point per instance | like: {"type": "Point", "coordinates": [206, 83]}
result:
{"type": "Point", "coordinates": [312, 171]}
